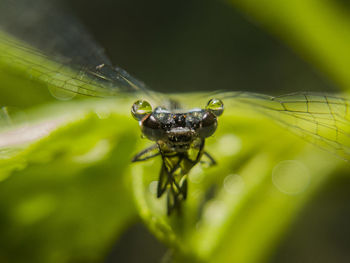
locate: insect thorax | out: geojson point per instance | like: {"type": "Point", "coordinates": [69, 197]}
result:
{"type": "Point", "coordinates": [181, 162]}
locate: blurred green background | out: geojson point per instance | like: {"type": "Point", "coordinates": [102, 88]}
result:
{"type": "Point", "coordinates": [195, 45]}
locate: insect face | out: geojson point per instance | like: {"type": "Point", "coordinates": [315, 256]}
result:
{"type": "Point", "coordinates": [177, 130]}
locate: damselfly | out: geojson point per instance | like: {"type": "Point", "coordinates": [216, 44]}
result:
{"type": "Point", "coordinates": [52, 46]}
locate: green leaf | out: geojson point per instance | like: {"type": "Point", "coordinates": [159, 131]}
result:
{"type": "Point", "coordinates": [66, 197]}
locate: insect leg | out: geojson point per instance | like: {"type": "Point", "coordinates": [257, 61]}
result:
{"type": "Point", "coordinates": [166, 177]}
{"type": "Point", "coordinates": [174, 200]}
{"type": "Point", "coordinates": [183, 188]}
{"type": "Point", "coordinates": [211, 160]}
{"type": "Point", "coordinates": [147, 153]}
{"type": "Point", "coordinates": [194, 161]}
{"type": "Point", "coordinates": [163, 181]}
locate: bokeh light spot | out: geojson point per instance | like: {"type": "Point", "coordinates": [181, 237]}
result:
{"type": "Point", "coordinates": [291, 177]}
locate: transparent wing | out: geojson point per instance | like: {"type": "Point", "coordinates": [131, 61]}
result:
{"type": "Point", "coordinates": [319, 118]}
{"type": "Point", "coordinates": [44, 30]}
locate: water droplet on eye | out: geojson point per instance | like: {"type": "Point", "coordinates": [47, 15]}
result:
{"type": "Point", "coordinates": [291, 177]}
{"type": "Point", "coordinates": [234, 184]}
{"type": "Point", "coordinates": [152, 187]}
{"type": "Point", "coordinates": [216, 106]}
{"type": "Point", "coordinates": [140, 108]}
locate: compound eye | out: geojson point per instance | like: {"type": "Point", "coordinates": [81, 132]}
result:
{"type": "Point", "coordinates": [215, 106]}
{"type": "Point", "coordinates": [208, 125]}
{"type": "Point", "coordinates": [140, 109]}
{"type": "Point", "coordinates": [151, 128]}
